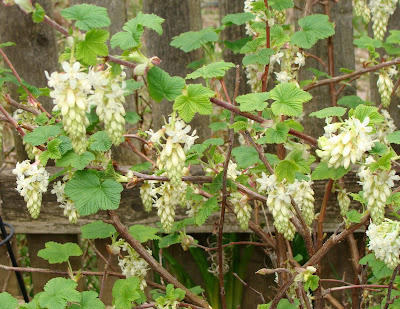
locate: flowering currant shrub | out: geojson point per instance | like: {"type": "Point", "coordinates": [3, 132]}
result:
{"type": "Point", "coordinates": [238, 178]}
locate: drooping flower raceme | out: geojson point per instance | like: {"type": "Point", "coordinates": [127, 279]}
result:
{"type": "Point", "coordinates": [348, 146]}
{"type": "Point", "coordinates": [67, 204]}
{"type": "Point", "coordinates": [381, 11]}
{"type": "Point", "coordinates": [70, 94]}
{"type": "Point", "coordinates": [385, 84]}
{"type": "Point", "coordinates": [22, 116]}
{"type": "Point", "coordinates": [377, 188]}
{"type": "Point", "coordinates": [242, 209]}
{"type": "Point", "coordinates": [32, 182]}
{"type": "Point", "coordinates": [384, 128]}
{"type": "Point", "coordinates": [344, 201]}
{"type": "Point", "coordinates": [303, 196]}
{"type": "Point", "coordinates": [361, 9]}
{"type": "Point", "coordinates": [384, 240]}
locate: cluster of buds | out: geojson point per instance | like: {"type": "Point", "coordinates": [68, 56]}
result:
{"type": "Point", "coordinates": [109, 97]}
{"type": "Point", "coordinates": [32, 182]}
{"type": "Point", "coordinates": [146, 193]}
{"type": "Point", "coordinates": [279, 203]}
{"type": "Point", "coordinates": [384, 241]}
{"type": "Point", "coordinates": [343, 201]}
{"type": "Point", "coordinates": [348, 146]}
{"type": "Point", "coordinates": [280, 16]}
{"type": "Point", "coordinates": [303, 196]}
{"type": "Point", "coordinates": [70, 94]}
{"type": "Point", "coordinates": [384, 128]}
{"type": "Point", "coordinates": [381, 11]}
{"type": "Point", "coordinates": [132, 265]}
{"type": "Point", "coordinates": [22, 116]}
{"type": "Point", "coordinates": [385, 84]}
{"type": "Point", "coordinates": [377, 188]}
{"type": "Point", "coordinates": [242, 209]}
{"type": "Point", "coordinates": [291, 60]}
{"type": "Point", "coordinates": [361, 9]}
{"type": "Point", "coordinates": [67, 204]}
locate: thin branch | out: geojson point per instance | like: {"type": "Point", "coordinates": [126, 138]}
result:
{"type": "Point", "coordinates": [10, 101]}
{"type": "Point", "coordinates": [251, 288]}
{"type": "Point", "coordinates": [388, 300]}
{"type": "Point", "coordinates": [361, 286]}
{"type": "Point", "coordinates": [322, 212]}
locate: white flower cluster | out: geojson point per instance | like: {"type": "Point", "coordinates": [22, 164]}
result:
{"type": "Point", "coordinates": [290, 65]}
{"type": "Point", "coordinates": [303, 196]}
{"type": "Point", "coordinates": [381, 11]}
{"type": "Point", "coordinates": [109, 98]}
{"type": "Point", "coordinates": [68, 205]}
{"type": "Point", "coordinates": [32, 182]}
{"type": "Point", "coordinates": [362, 9]}
{"type": "Point", "coordinates": [132, 265]}
{"type": "Point", "coordinates": [280, 16]}
{"type": "Point", "coordinates": [279, 203]}
{"type": "Point", "coordinates": [384, 128]}
{"type": "Point", "coordinates": [146, 191]}
{"type": "Point", "coordinates": [348, 146]}
{"type": "Point", "coordinates": [242, 209]}
{"type": "Point", "coordinates": [377, 188]}
{"type": "Point", "coordinates": [70, 94]}
{"type": "Point", "coordinates": [384, 240]}
{"type": "Point", "coordinates": [232, 172]}
{"type": "Point", "coordinates": [343, 201]}
{"type": "Point", "coordinates": [22, 116]}
{"type": "Point", "coordinates": [385, 84]}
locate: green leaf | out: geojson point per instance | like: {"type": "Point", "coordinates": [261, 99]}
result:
{"type": "Point", "coordinates": [253, 45]}
{"type": "Point", "coordinates": [289, 99]}
{"type": "Point", "coordinates": [169, 240]}
{"type": "Point", "coordinates": [192, 40]}
{"type": "Point", "coordinates": [311, 283]}
{"type": "Point", "coordinates": [262, 57]}
{"type": "Point", "coordinates": [379, 149]}
{"type": "Point", "coordinates": [76, 161]}
{"type": "Point", "coordinates": [94, 45]}
{"type": "Point", "coordinates": [394, 37]}
{"type": "Point", "coordinates": [126, 291]}
{"type": "Point", "coordinates": [5, 44]}
{"type": "Point", "coordinates": [367, 42]}
{"type": "Point", "coordinates": [97, 230]}
{"type": "Point", "coordinates": [253, 101]}
{"type": "Point", "coordinates": [237, 45]}
{"type": "Point", "coordinates": [208, 208]}
{"type": "Point", "coordinates": [245, 156]}
{"type": "Point", "coordinates": [7, 301]}
{"type": "Point", "coordinates": [132, 117]}
{"type": "Point", "coordinates": [238, 18]}
{"type": "Point", "coordinates": [38, 14]}
{"type": "Point", "coordinates": [89, 300]}
{"type": "Point", "coordinates": [41, 119]}
{"type": "Point", "coordinates": [379, 268]}
{"type": "Point", "coordinates": [286, 169]}
{"type": "Point", "coordinates": [87, 16]}
{"type": "Point", "coordinates": [281, 5]}
{"type": "Point", "coordinates": [319, 73]}
{"type": "Point", "coordinates": [65, 145]}
{"type": "Point", "coordinates": [216, 184]}
{"type": "Point", "coordinates": [52, 152]}
{"type": "Point", "coordinates": [354, 216]}
{"type": "Point", "coordinates": [58, 253]}
{"type": "Point", "coordinates": [363, 111]}
{"type": "Point", "coordinates": [292, 124]}
{"type": "Point", "coordinates": [213, 141]}
{"type": "Point", "coordinates": [215, 69]}
{"type": "Point", "coordinates": [58, 292]}
{"type": "Point", "coordinates": [279, 36]}
{"type": "Point", "coordinates": [131, 86]}
{"type": "Point", "coordinates": [314, 28]}
{"type": "Point", "coordinates": [162, 85]}
{"type": "Point", "coordinates": [127, 39]}
{"type": "Point", "coordinates": [143, 233]}
{"type": "Point", "coordinates": [239, 126]}
{"type": "Point", "coordinates": [217, 126]}
{"type": "Point", "coordinates": [40, 135]}
{"type": "Point", "coordinates": [277, 135]}
{"type": "Point", "coordinates": [384, 162]}
{"type": "Point", "coordinates": [100, 141]}
{"type": "Point", "coordinates": [141, 167]}
{"type": "Point", "coordinates": [150, 21]}
{"type": "Point", "coordinates": [195, 98]}
{"type": "Point", "coordinates": [90, 194]}
{"type": "Point", "coordinates": [394, 137]}
{"type": "Point", "coordinates": [329, 112]}
{"type": "Point", "coordinates": [322, 171]}
{"type": "Point", "coordinates": [351, 101]}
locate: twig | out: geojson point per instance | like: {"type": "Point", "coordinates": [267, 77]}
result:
{"type": "Point", "coordinates": [322, 212]}
{"type": "Point", "coordinates": [251, 288]}
{"type": "Point", "coordinates": [140, 154]}
{"type": "Point", "coordinates": [389, 293]}
{"type": "Point", "coordinates": [99, 254]}
{"type": "Point", "coordinates": [234, 243]}
{"type": "Point", "coordinates": [103, 279]}
{"type": "Point", "coordinates": [10, 101]}
{"type": "Point", "coordinates": [361, 286]}
{"type": "Point", "coordinates": [12, 121]}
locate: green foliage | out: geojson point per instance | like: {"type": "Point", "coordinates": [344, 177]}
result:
{"type": "Point", "coordinates": [237, 45]}
{"type": "Point", "coordinates": [281, 5]}
{"type": "Point", "coordinates": [74, 160]}
{"type": "Point", "coordinates": [89, 300]}
{"type": "Point", "coordinates": [262, 57]}
{"type": "Point", "coordinates": [94, 45]}
{"type": "Point", "coordinates": [195, 98]}
{"type": "Point", "coordinates": [169, 240]}
{"type": "Point", "coordinates": [40, 135]}
{"type": "Point", "coordinates": [58, 292]}
{"type": "Point", "coordinates": [162, 85]}
{"type": "Point", "coordinates": [379, 268]}
{"type": "Point", "coordinates": [289, 99]}
{"type": "Point", "coordinates": [238, 18]}
{"type": "Point", "coordinates": [363, 111]}
{"type": "Point", "coordinates": [171, 294]}
{"type": "Point", "coordinates": [384, 162]}
{"type": "Point", "coordinates": [322, 171]}
{"type": "Point", "coordinates": [394, 137]}
{"type": "Point", "coordinates": [329, 112]}
{"type": "Point", "coordinates": [314, 28]}
{"type": "Point", "coordinates": [90, 194]}
{"type": "Point", "coordinates": [311, 283]}
{"type": "Point", "coordinates": [141, 167]}
{"type": "Point", "coordinates": [143, 233]}
{"type": "Point", "coordinates": [97, 230]}
{"type": "Point", "coordinates": [215, 69]}
{"type": "Point", "coordinates": [192, 40]}
{"type": "Point", "coordinates": [245, 156]}
{"type": "Point", "coordinates": [58, 253]}
{"type": "Point", "coordinates": [351, 101]}
{"type": "Point", "coordinates": [278, 35]}
{"type": "Point", "coordinates": [52, 152]}
{"type": "Point", "coordinates": [87, 16]}
{"type": "Point", "coordinates": [277, 135]}
{"type": "Point", "coordinates": [368, 43]}
{"type": "Point", "coordinates": [132, 117]}
{"type": "Point", "coordinates": [127, 292]}
{"type": "Point", "coordinates": [100, 141]}
{"type": "Point", "coordinates": [253, 101]}
{"type": "Point", "coordinates": [353, 216]}
{"type": "Point", "coordinates": [208, 208]}
{"type": "Point", "coordinates": [6, 44]}
{"type": "Point", "coordinates": [38, 14]}
{"type": "Point", "coordinates": [7, 301]}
